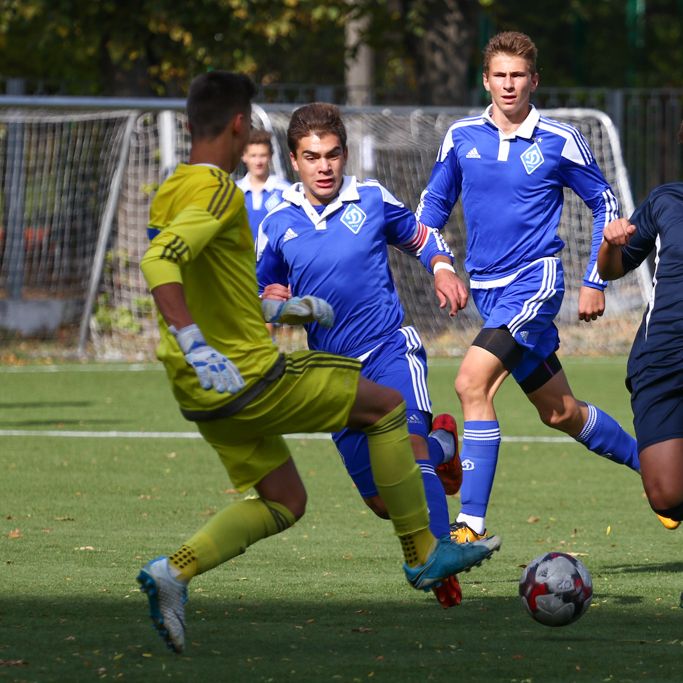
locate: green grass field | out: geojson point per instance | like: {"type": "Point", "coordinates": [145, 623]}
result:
{"type": "Point", "coordinates": [326, 600]}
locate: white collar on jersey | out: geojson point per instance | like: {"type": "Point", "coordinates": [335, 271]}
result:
{"type": "Point", "coordinates": [272, 183]}
{"type": "Point", "coordinates": [525, 130]}
{"type": "Point", "coordinates": [348, 192]}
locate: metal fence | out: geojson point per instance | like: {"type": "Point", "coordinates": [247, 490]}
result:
{"type": "Point", "coordinates": [647, 121]}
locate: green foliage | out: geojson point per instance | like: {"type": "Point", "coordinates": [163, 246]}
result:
{"type": "Point", "coordinates": [111, 316]}
{"type": "Point", "coordinates": [154, 47]}
{"type": "Point", "coordinates": [147, 47]}
{"type": "Point", "coordinates": [591, 43]}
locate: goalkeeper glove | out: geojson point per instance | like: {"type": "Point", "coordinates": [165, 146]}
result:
{"type": "Point", "coordinates": [298, 310]}
{"type": "Point", "coordinates": [213, 369]}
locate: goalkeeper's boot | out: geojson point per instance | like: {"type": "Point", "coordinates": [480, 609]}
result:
{"type": "Point", "coordinates": [448, 592]}
{"type": "Point", "coordinates": [450, 472]}
{"type": "Point", "coordinates": [448, 558]}
{"type": "Point", "coordinates": [167, 597]}
{"type": "Point", "coordinates": [670, 524]}
{"type": "Point", "coordinates": [462, 533]}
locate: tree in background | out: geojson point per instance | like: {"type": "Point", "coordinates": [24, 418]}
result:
{"type": "Point", "coordinates": [423, 51]}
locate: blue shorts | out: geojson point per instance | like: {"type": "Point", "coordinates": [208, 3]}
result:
{"type": "Point", "coordinates": [400, 363]}
{"type": "Point", "coordinates": [657, 404]}
{"type": "Point", "coordinates": [527, 307]}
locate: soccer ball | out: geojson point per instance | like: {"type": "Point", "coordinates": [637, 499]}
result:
{"type": "Point", "coordinates": [556, 589]}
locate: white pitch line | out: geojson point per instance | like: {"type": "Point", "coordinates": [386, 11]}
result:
{"type": "Point", "coordinates": [126, 435]}
{"type": "Point", "coordinates": [115, 367]}
{"type": "Point", "coordinates": [195, 435]}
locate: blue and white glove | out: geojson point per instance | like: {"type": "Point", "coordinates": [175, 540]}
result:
{"type": "Point", "coordinates": [213, 369]}
{"type": "Point", "coordinates": [298, 310]}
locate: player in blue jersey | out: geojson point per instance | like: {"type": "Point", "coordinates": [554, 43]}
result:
{"type": "Point", "coordinates": [330, 238]}
{"type": "Point", "coordinates": [511, 165]}
{"type": "Point", "coordinates": [262, 190]}
{"type": "Point", "coordinates": [655, 365]}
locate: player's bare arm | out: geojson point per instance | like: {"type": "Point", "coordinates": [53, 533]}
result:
{"type": "Point", "coordinates": [616, 234]}
{"type": "Point", "coordinates": [450, 290]}
{"type": "Point", "coordinates": [591, 303]}
{"type": "Point", "coordinates": [170, 300]}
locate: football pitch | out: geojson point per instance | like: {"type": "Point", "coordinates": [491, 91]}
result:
{"type": "Point", "coordinates": [99, 473]}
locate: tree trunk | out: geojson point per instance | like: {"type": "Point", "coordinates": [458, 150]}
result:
{"type": "Point", "coordinates": [443, 51]}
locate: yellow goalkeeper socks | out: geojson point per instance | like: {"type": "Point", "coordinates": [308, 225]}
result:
{"type": "Point", "coordinates": [399, 483]}
{"type": "Point", "coordinates": [229, 533]}
{"type": "Point", "coordinates": [183, 563]}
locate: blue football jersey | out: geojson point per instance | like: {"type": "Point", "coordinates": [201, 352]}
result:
{"type": "Point", "coordinates": [659, 223]}
{"type": "Point", "coordinates": [512, 192]}
{"type": "Point", "coordinates": [260, 203]}
{"type": "Point", "coordinates": [340, 254]}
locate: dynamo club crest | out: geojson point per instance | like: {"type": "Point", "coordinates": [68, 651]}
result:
{"type": "Point", "coordinates": [353, 218]}
{"type": "Point", "coordinates": [272, 202]}
{"type": "Point", "coordinates": [532, 158]}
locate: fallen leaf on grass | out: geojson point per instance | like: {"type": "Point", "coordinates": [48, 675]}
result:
{"type": "Point", "coordinates": [15, 533]}
{"type": "Point", "coordinates": [533, 519]}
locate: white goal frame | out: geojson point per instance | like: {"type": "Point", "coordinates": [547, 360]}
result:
{"type": "Point", "coordinates": [396, 145]}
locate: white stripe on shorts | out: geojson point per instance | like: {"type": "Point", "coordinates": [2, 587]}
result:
{"type": "Point", "coordinates": [417, 370]}
{"type": "Point", "coordinates": [533, 304]}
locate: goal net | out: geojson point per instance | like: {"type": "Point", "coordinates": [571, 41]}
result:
{"type": "Point", "coordinates": [116, 319]}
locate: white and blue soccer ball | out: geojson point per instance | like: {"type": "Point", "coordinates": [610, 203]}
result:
{"type": "Point", "coordinates": [556, 589]}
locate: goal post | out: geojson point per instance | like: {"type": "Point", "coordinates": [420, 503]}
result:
{"type": "Point", "coordinates": [56, 171]}
{"type": "Point", "coordinates": [95, 201]}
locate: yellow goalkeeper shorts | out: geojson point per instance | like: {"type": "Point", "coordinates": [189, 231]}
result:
{"type": "Point", "coordinates": [315, 393]}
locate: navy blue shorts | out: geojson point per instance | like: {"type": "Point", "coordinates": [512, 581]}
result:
{"type": "Point", "coordinates": [657, 404]}
{"type": "Point", "coordinates": [526, 306]}
{"type": "Point", "coordinates": [400, 363]}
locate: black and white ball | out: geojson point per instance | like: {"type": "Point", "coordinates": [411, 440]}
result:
{"type": "Point", "coordinates": [556, 589]}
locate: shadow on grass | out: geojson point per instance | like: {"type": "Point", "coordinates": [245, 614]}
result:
{"type": "Point", "coordinates": [645, 568]}
{"type": "Point", "coordinates": [485, 639]}
{"type": "Point", "coordinates": [52, 422]}
{"type": "Point", "coordinates": [21, 405]}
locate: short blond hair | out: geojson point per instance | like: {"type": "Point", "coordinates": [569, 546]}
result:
{"type": "Point", "coordinates": [511, 43]}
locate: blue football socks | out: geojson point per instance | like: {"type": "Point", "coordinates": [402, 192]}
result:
{"type": "Point", "coordinates": [441, 447]}
{"type": "Point", "coordinates": [603, 435]}
{"type": "Point", "coordinates": [479, 456]}
{"type": "Point", "coordinates": [436, 499]}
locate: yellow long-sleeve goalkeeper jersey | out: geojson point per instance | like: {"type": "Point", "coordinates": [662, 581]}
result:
{"type": "Point", "coordinates": [205, 243]}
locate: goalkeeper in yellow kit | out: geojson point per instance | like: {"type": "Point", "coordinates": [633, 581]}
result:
{"type": "Point", "coordinates": [229, 377]}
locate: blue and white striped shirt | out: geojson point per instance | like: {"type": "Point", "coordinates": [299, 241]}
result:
{"type": "Point", "coordinates": [339, 252]}
{"type": "Point", "coordinates": [512, 192]}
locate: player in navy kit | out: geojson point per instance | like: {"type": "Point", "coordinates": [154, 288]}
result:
{"type": "Point", "coordinates": [330, 237]}
{"type": "Point", "coordinates": [511, 165]}
{"type": "Point", "coordinates": [655, 365]}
